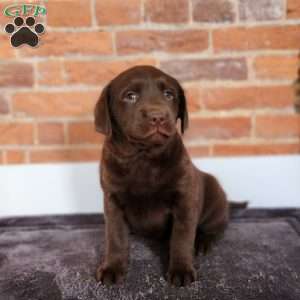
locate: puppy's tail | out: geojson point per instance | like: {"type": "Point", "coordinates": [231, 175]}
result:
{"type": "Point", "coordinates": [237, 208]}
{"type": "Point", "coordinates": [238, 205]}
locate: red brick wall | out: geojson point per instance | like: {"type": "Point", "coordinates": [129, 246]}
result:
{"type": "Point", "coordinates": [237, 60]}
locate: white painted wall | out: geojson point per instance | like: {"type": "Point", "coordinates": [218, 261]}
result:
{"type": "Point", "coordinates": [269, 181]}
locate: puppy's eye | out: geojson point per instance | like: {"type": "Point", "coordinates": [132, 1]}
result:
{"type": "Point", "coordinates": [169, 95]}
{"type": "Point", "coordinates": [131, 97]}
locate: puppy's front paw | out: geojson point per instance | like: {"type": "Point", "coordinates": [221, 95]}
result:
{"type": "Point", "coordinates": [109, 275]}
{"type": "Point", "coordinates": [181, 277]}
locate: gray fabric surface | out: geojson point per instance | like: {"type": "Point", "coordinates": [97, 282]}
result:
{"type": "Point", "coordinates": [55, 258]}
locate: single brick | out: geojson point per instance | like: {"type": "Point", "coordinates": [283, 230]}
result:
{"type": "Point", "coordinates": [278, 126]}
{"type": "Point", "coordinates": [211, 69]}
{"type": "Point", "coordinates": [50, 72]}
{"type": "Point", "coordinates": [173, 41]}
{"type": "Point", "coordinates": [50, 133]}
{"type": "Point", "coordinates": [261, 10]}
{"type": "Point", "coordinates": [257, 38]}
{"type": "Point", "coordinates": [118, 12]}
{"type": "Point", "coordinates": [16, 74]}
{"type": "Point", "coordinates": [64, 43]}
{"type": "Point", "coordinates": [65, 13]}
{"type": "Point", "coordinates": [250, 97]}
{"type": "Point", "coordinates": [84, 133]}
{"type": "Point", "coordinates": [55, 104]}
{"type": "Point", "coordinates": [15, 157]}
{"type": "Point", "coordinates": [198, 151]}
{"type": "Point", "coordinates": [167, 11]}
{"type": "Point", "coordinates": [99, 72]}
{"type": "Point", "coordinates": [213, 11]}
{"type": "Point", "coordinates": [65, 155]}
{"type": "Point", "coordinates": [276, 67]}
{"type": "Point", "coordinates": [218, 128]}
{"type": "Point", "coordinates": [16, 133]}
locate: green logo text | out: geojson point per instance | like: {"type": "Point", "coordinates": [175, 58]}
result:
{"type": "Point", "coordinates": [16, 10]}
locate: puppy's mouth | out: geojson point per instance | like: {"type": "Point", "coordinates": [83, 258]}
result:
{"type": "Point", "coordinates": [158, 131]}
{"type": "Point", "coordinates": [157, 135]}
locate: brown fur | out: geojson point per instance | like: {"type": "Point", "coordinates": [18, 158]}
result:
{"type": "Point", "coordinates": [150, 185]}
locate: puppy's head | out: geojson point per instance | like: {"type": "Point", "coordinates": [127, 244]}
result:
{"type": "Point", "coordinates": [143, 104]}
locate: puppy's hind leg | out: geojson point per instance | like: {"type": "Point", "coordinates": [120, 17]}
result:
{"type": "Point", "coordinates": [214, 219]}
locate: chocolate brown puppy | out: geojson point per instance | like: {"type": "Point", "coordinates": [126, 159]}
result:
{"type": "Point", "coordinates": [150, 185]}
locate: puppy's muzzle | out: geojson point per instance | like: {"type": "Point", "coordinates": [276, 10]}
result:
{"type": "Point", "coordinates": [155, 117]}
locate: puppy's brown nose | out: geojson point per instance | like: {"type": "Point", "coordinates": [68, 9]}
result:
{"type": "Point", "coordinates": [157, 118]}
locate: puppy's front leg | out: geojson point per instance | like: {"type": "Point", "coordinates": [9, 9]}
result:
{"type": "Point", "coordinates": [181, 271]}
{"type": "Point", "coordinates": [114, 267]}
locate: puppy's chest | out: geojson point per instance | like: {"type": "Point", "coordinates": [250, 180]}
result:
{"type": "Point", "coordinates": [148, 213]}
{"type": "Point", "coordinates": [142, 177]}
{"type": "Point", "coordinates": [146, 193]}
{"type": "Point", "coordinates": [144, 173]}
{"type": "Point", "coordinates": [147, 204]}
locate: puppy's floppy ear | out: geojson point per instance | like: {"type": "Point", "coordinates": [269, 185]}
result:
{"type": "Point", "coordinates": [102, 113]}
{"type": "Point", "coordinates": [182, 112]}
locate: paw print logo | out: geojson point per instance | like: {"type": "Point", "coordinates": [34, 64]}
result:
{"type": "Point", "coordinates": [24, 33]}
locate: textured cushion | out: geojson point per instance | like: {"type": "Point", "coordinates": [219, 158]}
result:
{"type": "Point", "coordinates": [56, 257]}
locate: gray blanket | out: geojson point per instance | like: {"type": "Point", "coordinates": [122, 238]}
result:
{"type": "Point", "coordinates": [55, 258]}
